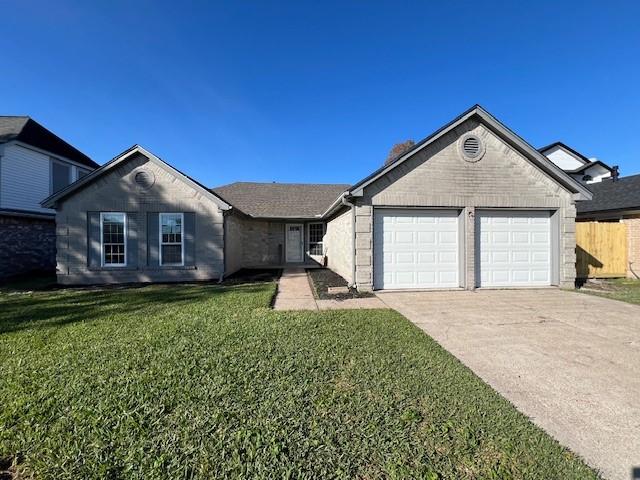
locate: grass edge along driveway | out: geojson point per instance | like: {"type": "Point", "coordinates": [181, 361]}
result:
{"type": "Point", "coordinates": [204, 381]}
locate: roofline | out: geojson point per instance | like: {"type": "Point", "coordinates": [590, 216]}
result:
{"type": "Point", "coordinates": [8, 212]}
{"type": "Point", "coordinates": [610, 211]}
{"type": "Point", "coordinates": [538, 158]}
{"type": "Point", "coordinates": [51, 200]}
{"type": "Point", "coordinates": [48, 153]}
{"type": "Point", "coordinates": [15, 138]}
{"type": "Point", "coordinates": [589, 165]}
{"type": "Point", "coordinates": [566, 147]}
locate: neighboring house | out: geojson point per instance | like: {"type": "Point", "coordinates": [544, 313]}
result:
{"type": "Point", "coordinates": [472, 205]}
{"type": "Point", "coordinates": [617, 201]}
{"type": "Point", "coordinates": [34, 163]}
{"type": "Point", "coordinates": [583, 169]}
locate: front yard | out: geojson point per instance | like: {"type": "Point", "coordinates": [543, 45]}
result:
{"type": "Point", "coordinates": [624, 289]}
{"type": "Point", "coordinates": [207, 382]}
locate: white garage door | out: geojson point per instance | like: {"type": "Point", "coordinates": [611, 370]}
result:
{"type": "Point", "coordinates": [515, 249]}
{"type": "Point", "coordinates": [415, 248]}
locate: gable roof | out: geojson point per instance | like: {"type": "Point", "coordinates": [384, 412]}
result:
{"type": "Point", "coordinates": [28, 131]}
{"type": "Point", "coordinates": [51, 201]}
{"type": "Point", "coordinates": [565, 147]}
{"type": "Point", "coordinates": [610, 195]}
{"type": "Point", "coordinates": [516, 141]}
{"type": "Point", "coordinates": [280, 200]}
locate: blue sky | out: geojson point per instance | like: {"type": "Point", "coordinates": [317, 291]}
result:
{"type": "Point", "coordinates": [319, 91]}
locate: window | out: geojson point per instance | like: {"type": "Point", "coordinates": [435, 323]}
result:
{"type": "Point", "coordinates": [60, 175]}
{"type": "Point", "coordinates": [82, 173]}
{"type": "Point", "coordinates": [316, 233]}
{"type": "Point", "coordinates": [171, 245]}
{"type": "Point", "coordinates": [114, 247]}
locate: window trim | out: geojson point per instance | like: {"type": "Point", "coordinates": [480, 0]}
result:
{"type": "Point", "coordinates": [322, 224]}
{"type": "Point", "coordinates": [160, 243]}
{"type": "Point", "coordinates": [124, 232]}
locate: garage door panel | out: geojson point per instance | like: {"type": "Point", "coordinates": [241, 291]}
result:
{"type": "Point", "coordinates": [415, 248]}
{"type": "Point", "coordinates": [514, 248]}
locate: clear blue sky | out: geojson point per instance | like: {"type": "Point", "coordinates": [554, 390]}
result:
{"type": "Point", "coordinates": [319, 91]}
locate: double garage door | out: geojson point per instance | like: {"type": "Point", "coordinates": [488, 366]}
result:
{"type": "Point", "coordinates": [424, 249]}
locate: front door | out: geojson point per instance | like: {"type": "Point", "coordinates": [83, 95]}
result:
{"type": "Point", "coordinates": [294, 243]}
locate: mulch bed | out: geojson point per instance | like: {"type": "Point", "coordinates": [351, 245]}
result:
{"type": "Point", "coordinates": [248, 275]}
{"type": "Point", "coordinates": [323, 278]}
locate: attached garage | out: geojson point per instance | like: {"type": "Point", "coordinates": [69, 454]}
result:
{"type": "Point", "coordinates": [416, 248]}
{"type": "Point", "coordinates": [472, 205]}
{"type": "Point", "coordinates": [513, 249]}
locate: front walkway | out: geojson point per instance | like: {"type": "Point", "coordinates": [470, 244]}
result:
{"type": "Point", "coordinates": [294, 293]}
{"type": "Point", "coordinates": [569, 361]}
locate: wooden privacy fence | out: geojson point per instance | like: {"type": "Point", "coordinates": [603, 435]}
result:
{"type": "Point", "coordinates": [601, 249]}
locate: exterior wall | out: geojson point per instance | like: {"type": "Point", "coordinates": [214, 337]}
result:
{"type": "Point", "coordinates": [27, 246]}
{"type": "Point", "coordinates": [438, 176]}
{"type": "Point", "coordinates": [633, 244]}
{"type": "Point", "coordinates": [117, 191]}
{"type": "Point", "coordinates": [234, 251]}
{"type": "Point", "coordinates": [25, 178]}
{"type": "Point", "coordinates": [339, 245]}
{"type": "Point", "coordinates": [261, 243]}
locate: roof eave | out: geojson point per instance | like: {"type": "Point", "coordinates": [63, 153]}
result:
{"type": "Point", "coordinates": [51, 201]}
{"type": "Point", "coordinates": [538, 158]}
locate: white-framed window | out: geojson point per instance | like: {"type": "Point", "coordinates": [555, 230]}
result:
{"type": "Point", "coordinates": [316, 234]}
{"type": "Point", "coordinates": [171, 239]}
{"type": "Point", "coordinates": [113, 239]}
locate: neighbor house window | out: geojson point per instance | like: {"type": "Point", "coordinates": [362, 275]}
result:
{"type": "Point", "coordinates": [114, 234]}
{"type": "Point", "coordinates": [83, 173]}
{"type": "Point", "coordinates": [171, 242]}
{"type": "Point", "coordinates": [60, 175]}
{"type": "Point", "coordinates": [316, 232]}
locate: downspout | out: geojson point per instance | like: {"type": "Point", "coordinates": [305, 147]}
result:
{"type": "Point", "coordinates": [346, 203]}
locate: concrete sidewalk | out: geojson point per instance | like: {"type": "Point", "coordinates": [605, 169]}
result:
{"type": "Point", "coordinates": [294, 293]}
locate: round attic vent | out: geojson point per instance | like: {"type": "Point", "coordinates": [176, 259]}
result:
{"type": "Point", "coordinates": [471, 148]}
{"type": "Point", "coordinates": [144, 179]}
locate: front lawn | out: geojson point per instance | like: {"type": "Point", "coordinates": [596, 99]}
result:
{"type": "Point", "coordinates": [624, 289]}
{"type": "Point", "coordinates": [207, 382]}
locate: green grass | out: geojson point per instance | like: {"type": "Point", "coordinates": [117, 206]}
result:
{"type": "Point", "coordinates": [205, 381]}
{"type": "Point", "coordinates": [623, 289]}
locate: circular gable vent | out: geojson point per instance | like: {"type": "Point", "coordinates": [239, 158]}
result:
{"type": "Point", "coordinates": [471, 148]}
{"type": "Point", "coordinates": [144, 179]}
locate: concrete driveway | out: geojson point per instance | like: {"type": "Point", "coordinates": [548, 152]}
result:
{"type": "Point", "coordinates": [569, 361]}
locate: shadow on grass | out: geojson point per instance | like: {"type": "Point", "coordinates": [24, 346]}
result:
{"type": "Point", "coordinates": [58, 308]}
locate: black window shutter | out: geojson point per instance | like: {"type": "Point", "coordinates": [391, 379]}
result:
{"type": "Point", "coordinates": [153, 239]}
{"type": "Point", "coordinates": [93, 240]}
{"type": "Point", "coordinates": [189, 239]}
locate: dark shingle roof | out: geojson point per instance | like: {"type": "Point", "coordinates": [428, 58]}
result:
{"type": "Point", "coordinates": [27, 130]}
{"type": "Point", "coordinates": [280, 200]}
{"type": "Point", "coordinates": [621, 194]}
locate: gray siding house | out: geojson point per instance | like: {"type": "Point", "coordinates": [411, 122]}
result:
{"type": "Point", "coordinates": [34, 163]}
{"type": "Point", "coordinates": [472, 205]}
